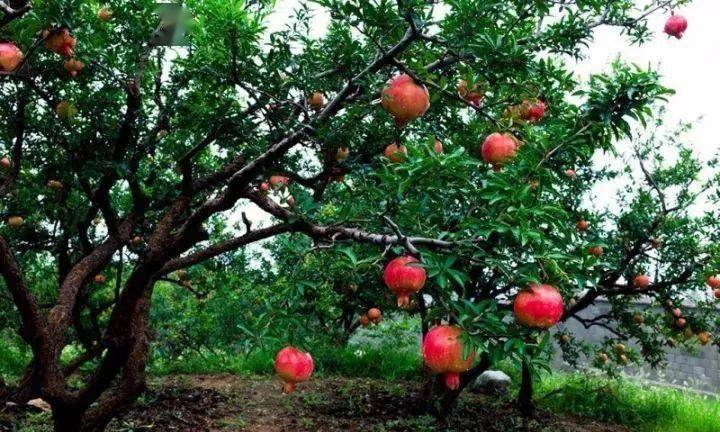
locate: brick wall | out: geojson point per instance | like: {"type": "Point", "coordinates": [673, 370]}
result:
{"type": "Point", "coordinates": [699, 370]}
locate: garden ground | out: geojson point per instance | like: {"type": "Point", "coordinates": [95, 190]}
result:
{"type": "Point", "coordinates": [256, 404]}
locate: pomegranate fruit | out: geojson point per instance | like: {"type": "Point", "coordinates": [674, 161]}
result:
{"type": "Point", "coordinates": [713, 282]}
{"type": "Point", "coordinates": [620, 348]}
{"type": "Point", "coordinates": [137, 241]}
{"type": "Point", "coordinates": [342, 154]}
{"type": "Point", "coordinates": [10, 56]}
{"type": "Point", "coordinates": [316, 101]}
{"type": "Point", "coordinates": [473, 95]}
{"type": "Point", "coordinates": [438, 146]}
{"type": "Point", "coordinates": [677, 313]}
{"type": "Point", "coordinates": [55, 184]}
{"type": "Point", "coordinates": [583, 225]}
{"type": "Point", "coordinates": [105, 14]}
{"type": "Point", "coordinates": [15, 221]}
{"type": "Point", "coordinates": [639, 319]}
{"type": "Point", "coordinates": [265, 187]}
{"type": "Point", "coordinates": [571, 173]}
{"type": "Point", "coordinates": [396, 153]}
{"type": "Point", "coordinates": [681, 322]}
{"type": "Point", "coordinates": [374, 314]}
{"type": "Point", "coordinates": [443, 353]}
{"type": "Point", "coordinates": [704, 338]}
{"type": "Point", "coordinates": [596, 251]}
{"type": "Point", "coordinates": [540, 306]}
{"type": "Point", "coordinates": [498, 149]}
{"type": "Point", "coordinates": [641, 281]}
{"type": "Point", "coordinates": [74, 66]}
{"type": "Point", "coordinates": [405, 99]}
{"type": "Point", "coordinates": [623, 359]}
{"type": "Point", "coordinates": [5, 164]}
{"type": "Point", "coordinates": [279, 182]}
{"type": "Point", "coordinates": [100, 278]}
{"type": "Point", "coordinates": [66, 110]}
{"type": "Point", "coordinates": [676, 25]}
{"type": "Point", "coordinates": [61, 42]}
{"type": "Point", "coordinates": [535, 110]}
{"type": "Point", "coordinates": [364, 320]}
{"type": "Point", "coordinates": [404, 276]}
{"type": "Point", "coordinates": [603, 358]}
{"type": "Point", "coordinates": [293, 366]}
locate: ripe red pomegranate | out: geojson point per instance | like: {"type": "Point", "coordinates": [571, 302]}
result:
{"type": "Point", "coordinates": [279, 182]}
{"type": "Point", "coordinates": [264, 187]}
{"type": "Point", "coordinates": [405, 99]}
{"type": "Point", "coordinates": [583, 225]}
{"type": "Point", "coordinates": [498, 149]}
{"type": "Point", "coordinates": [443, 353]}
{"type": "Point", "coordinates": [473, 95]}
{"type": "Point", "coordinates": [642, 281]}
{"type": "Point", "coordinates": [316, 101]}
{"type": "Point", "coordinates": [713, 282]}
{"type": "Point", "coordinates": [364, 320]}
{"type": "Point", "coordinates": [293, 366]}
{"type": "Point", "coordinates": [571, 173]}
{"type": "Point", "coordinates": [100, 278]}
{"type": "Point", "coordinates": [74, 66]}
{"type": "Point", "coordinates": [438, 147]}
{"type": "Point", "coordinates": [677, 313]}
{"type": "Point", "coordinates": [535, 110]}
{"type": "Point", "coordinates": [5, 164]}
{"type": "Point", "coordinates": [61, 42]}
{"type": "Point", "coordinates": [681, 322]}
{"type": "Point", "coordinates": [374, 314]}
{"type": "Point", "coordinates": [105, 14]}
{"type": "Point", "coordinates": [541, 306]}
{"type": "Point", "coordinates": [596, 251]}
{"type": "Point", "coordinates": [10, 56]}
{"type": "Point", "coordinates": [396, 153]}
{"type": "Point", "coordinates": [342, 154]}
{"type": "Point", "coordinates": [404, 276]}
{"type": "Point", "coordinates": [676, 25]}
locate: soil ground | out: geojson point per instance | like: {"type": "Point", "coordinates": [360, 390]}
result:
{"type": "Point", "coordinates": [256, 404]}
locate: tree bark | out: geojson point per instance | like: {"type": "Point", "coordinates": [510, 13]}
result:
{"type": "Point", "coordinates": [440, 400]}
{"type": "Point", "coordinates": [525, 395]}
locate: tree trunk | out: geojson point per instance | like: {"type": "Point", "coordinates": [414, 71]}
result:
{"type": "Point", "coordinates": [440, 400]}
{"type": "Point", "coordinates": [525, 395]}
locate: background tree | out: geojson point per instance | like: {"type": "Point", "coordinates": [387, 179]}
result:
{"type": "Point", "coordinates": [126, 158]}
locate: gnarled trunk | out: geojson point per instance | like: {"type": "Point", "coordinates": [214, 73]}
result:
{"type": "Point", "coordinates": [440, 400]}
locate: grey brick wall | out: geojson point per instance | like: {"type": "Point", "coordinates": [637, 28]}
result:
{"type": "Point", "coordinates": [699, 370]}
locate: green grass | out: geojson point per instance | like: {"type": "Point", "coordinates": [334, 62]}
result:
{"type": "Point", "coordinates": [347, 361]}
{"type": "Point", "coordinates": [641, 407]}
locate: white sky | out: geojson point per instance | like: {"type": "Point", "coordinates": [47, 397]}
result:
{"type": "Point", "coordinates": [690, 66]}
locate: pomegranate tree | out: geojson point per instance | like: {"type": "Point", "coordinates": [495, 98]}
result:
{"type": "Point", "coordinates": [293, 366]}
{"type": "Point", "coordinates": [444, 353]}
{"type": "Point", "coordinates": [404, 276]}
